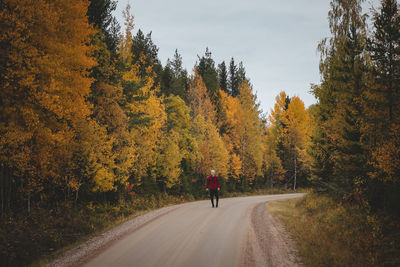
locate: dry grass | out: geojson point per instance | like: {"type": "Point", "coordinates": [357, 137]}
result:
{"type": "Point", "coordinates": [328, 233]}
{"type": "Point", "coordinates": [44, 235]}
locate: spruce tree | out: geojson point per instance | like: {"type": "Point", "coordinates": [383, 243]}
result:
{"type": "Point", "coordinates": [382, 102]}
{"type": "Point", "coordinates": [146, 52]}
{"type": "Point", "coordinates": [337, 137]}
{"type": "Point", "coordinates": [174, 78]}
{"type": "Point", "coordinates": [241, 73]}
{"type": "Point", "coordinates": [177, 64]}
{"type": "Point", "coordinates": [384, 47]}
{"type": "Point", "coordinates": [233, 81]}
{"type": "Point", "coordinates": [223, 77]}
{"type": "Point", "coordinates": [100, 15]}
{"type": "Point", "coordinates": [206, 68]}
{"type": "Point", "coordinates": [166, 78]}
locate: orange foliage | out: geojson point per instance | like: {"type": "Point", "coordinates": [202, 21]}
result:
{"type": "Point", "coordinates": [44, 87]}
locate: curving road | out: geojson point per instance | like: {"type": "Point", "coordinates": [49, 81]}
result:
{"type": "Point", "coordinates": [194, 234]}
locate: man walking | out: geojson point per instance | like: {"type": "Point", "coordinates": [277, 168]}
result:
{"type": "Point", "coordinates": [214, 186]}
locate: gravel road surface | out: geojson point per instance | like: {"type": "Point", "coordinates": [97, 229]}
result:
{"type": "Point", "coordinates": [240, 232]}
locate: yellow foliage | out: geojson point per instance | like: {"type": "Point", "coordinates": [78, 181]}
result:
{"type": "Point", "coordinates": [296, 120]}
{"type": "Point", "coordinates": [387, 156]}
{"type": "Point", "coordinates": [143, 104]}
{"type": "Point", "coordinates": [279, 108]}
{"type": "Point", "coordinates": [200, 101]}
{"type": "Point", "coordinates": [170, 158]}
{"type": "Point", "coordinates": [148, 137]}
{"type": "Point", "coordinates": [244, 133]}
{"type": "Point", "coordinates": [45, 82]}
{"type": "Point", "coordinates": [251, 146]}
{"type": "Point", "coordinates": [212, 153]}
{"type": "Point", "coordinates": [235, 166]}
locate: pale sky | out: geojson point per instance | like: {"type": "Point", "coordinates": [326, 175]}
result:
{"type": "Point", "coordinates": [276, 40]}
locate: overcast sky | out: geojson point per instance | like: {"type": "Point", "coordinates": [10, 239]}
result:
{"type": "Point", "coordinates": [276, 40]}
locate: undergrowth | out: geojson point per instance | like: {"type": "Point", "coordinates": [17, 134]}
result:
{"type": "Point", "coordinates": [332, 233]}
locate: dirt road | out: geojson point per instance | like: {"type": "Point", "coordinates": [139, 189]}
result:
{"type": "Point", "coordinates": [238, 233]}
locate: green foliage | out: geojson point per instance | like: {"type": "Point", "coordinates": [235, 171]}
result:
{"type": "Point", "coordinates": [100, 15]}
{"type": "Point", "coordinates": [354, 142]}
{"type": "Point", "coordinates": [382, 115]}
{"type": "Point", "coordinates": [233, 82]}
{"type": "Point", "coordinates": [145, 52]}
{"type": "Point", "coordinates": [206, 69]}
{"type": "Point", "coordinates": [339, 95]}
{"type": "Point", "coordinates": [237, 75]}
{"type": "Point", "coordinates": [174, 79]}
{"type": "Point", "coordinates": [223, 77]}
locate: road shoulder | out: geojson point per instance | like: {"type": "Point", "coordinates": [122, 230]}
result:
{"type": "Point", "coordinates": [86, 251]}
{"type": "Point", "coordinates": [267, 242]}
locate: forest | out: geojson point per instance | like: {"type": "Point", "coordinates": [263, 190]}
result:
{"type": "Point", "coordinates": [90, 116]}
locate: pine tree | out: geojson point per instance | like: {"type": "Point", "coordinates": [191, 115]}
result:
{"type": "Point", "coordinates": [384, 48]}
{"type": "Point", "coordinates": [339, 99]}
{"type": "Point", "coordinates": [382, 100]}
{"type": "Point", "coordinates": [223, 77]}
{"type": "Point", "coordinates": [206, 69]}
{"type": "Point", "coordinates": [241, 73]}
{"type": "Point", "coordinates": [100, 15]}
{"type": "Point", "coordinates": [145, 53]}
{"type": "Point", "coordinates": [166, 78]}
{"type": "Point", "coordinates": [174, 78]}
{"type": "Point", "coordinates": [233, 81]}
{"type": "Point", "coordinates": [177, 64]}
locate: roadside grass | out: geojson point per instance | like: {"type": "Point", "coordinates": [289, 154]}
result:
{"type": "Point", "coordinates": [328, 233]}
{"type": "Point", "coordinates": [44, 235]}
{"type": "Point", "coordinates": [50, 257]}
{"type": "Point", "coordinates": [260, 192]}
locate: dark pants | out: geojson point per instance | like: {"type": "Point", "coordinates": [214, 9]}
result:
{"type": "Point", "coordinates": [214, 192]}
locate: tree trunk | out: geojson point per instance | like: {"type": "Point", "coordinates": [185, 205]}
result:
{"type": "Point", "coordinates": [29, 203]}
{"type": "Point", "coordinates": [272, 178]}
{"type": "Point", "coordinates": [295, 173]}
{"type": "Point", "coordinates": [11, 186]}
{"type": "Point", "coordinates": [77, 192]}
{"type": "Point", "coordinates": [3, 187]}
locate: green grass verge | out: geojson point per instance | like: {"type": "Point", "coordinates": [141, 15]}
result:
{"type": "Point", "coordinates": [328, 233]}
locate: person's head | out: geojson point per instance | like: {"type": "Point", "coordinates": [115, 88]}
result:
{"type": "Point", "coordinates": [212, 172]}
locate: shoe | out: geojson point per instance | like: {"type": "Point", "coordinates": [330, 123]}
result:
{"type": "Point", "coordinates": [212, 206]}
